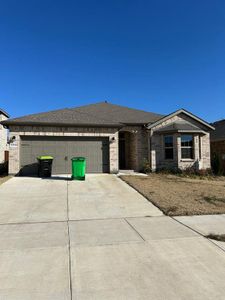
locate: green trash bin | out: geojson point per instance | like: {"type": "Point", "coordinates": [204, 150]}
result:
{"type": "Point", "coordinates": [78, 168]}
{"type": "Point", "coordinates": [45, 166]}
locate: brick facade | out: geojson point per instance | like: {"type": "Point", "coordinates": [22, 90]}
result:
{"type": "Point", "coordinates": [18, 131]}
{"type": "Point", "coordinates": [201, 147]}
{"type": "Point", "coordinates": [140, 144]}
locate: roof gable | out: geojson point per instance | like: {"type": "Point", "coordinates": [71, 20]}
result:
{"type": "Point", "coordinates": [181, 111]}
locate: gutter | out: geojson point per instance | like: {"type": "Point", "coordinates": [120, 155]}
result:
{"type": "Point", "coordinates": [114, 125]}
{"type": "Point", "coordinates": [8, 124]}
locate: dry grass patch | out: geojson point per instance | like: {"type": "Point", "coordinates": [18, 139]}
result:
{"type": "Point", "coordinates": [217, 237]}
{"type": "Point", "coordinates": [180, 196]}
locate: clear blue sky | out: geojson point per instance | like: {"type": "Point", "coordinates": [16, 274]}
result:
{"type": "Point", "coordinates": [153, 55]}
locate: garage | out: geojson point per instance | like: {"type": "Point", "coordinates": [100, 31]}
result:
{"type": "Point", "coordinates": [95, 149]}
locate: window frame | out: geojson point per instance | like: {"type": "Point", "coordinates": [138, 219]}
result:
{"type": "Point", "coordinates": [187, 147]}
{"type": "Point", "coordinates": [168, 147]}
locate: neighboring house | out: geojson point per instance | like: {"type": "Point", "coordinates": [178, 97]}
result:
{"type": "Point", "coordinates": [218, 143]}
{"type": "Point", "coordinates": [3, 135]}
{"type": "Point", "coordinates": [111, 137]}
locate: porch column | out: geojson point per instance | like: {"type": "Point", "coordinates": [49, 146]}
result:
{"type": "Point", "coordinates": [196, 148]}
{"type": "Point", "coordinates": [152, 154]}
{"type": "Point", "coordinates": [114, 152]}
{"type": "Point", "coordinates": [178, 145]}
{"type": "Point", "coordinates": [14, 153]}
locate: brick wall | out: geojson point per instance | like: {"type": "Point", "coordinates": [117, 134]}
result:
{"type": "Point", "coordinates": [201, 147]}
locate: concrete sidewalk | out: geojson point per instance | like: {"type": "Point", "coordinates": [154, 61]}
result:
{"type": "Point", "coordinates": [99, 239]}
{"type": "Point", "coordinates": [205, 224]}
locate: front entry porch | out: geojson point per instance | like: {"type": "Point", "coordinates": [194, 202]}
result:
{"type": "Point", "coordinates": [127, 150]}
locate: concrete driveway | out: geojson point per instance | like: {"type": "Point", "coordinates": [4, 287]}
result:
{"type": "Point", "coordinates": [99, 239]}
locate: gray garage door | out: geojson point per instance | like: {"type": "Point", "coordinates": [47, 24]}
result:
{"type": "Point", "coordinates": [96, 151]}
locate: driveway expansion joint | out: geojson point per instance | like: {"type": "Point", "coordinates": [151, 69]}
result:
{"type": "Point", "coordinates": [30, 223]}
{"type": "Point", "coordinates": [69, 241]}
{"type": "Point", "coordinates": [134, 229]}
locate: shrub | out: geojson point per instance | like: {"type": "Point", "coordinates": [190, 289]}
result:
{"type": "Point", "coordinates": [205, 172]}
{"type": "Point", "coordinates": [169, 170]}
{"type": "Point", "coordinates": [187, 172]}
{"type": "Point", "coordinates": [146, 166]}
{"type": "Point", "coordinates": [216, 164]}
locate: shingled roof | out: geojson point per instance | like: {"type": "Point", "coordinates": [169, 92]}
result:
{"type": "Point", "coordinates": [219, 133]}
{"type": "Point", "coordinates": [99, 114]}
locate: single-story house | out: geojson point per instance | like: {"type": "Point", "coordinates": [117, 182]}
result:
{"type": "Point", "coordinates": [218, 144]}
{"type": "Point", "coordinates": [3, 135]}
{"type": "Point", "coordinates": [111, 137]}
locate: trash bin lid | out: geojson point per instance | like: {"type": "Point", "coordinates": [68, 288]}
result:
{"type": "Point", "coordinates": [78, 158]}
{"type": "Point", "coordinates": [43, 157]}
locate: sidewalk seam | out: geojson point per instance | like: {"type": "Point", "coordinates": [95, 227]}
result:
{"type": "Point", "coordinates": [69, 244]}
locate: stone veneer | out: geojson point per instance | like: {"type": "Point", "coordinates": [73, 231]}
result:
{"type": "Point", "coordinates": [18, 131]}
{"type": "Point", "coordinates": [201, 147]}
{"type": "Point", "coordinates": [3, 139]}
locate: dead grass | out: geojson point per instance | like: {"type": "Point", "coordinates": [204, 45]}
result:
{"type": "Point", "coordinates": [4, 179]}
{"type": "Point", "coordinates": [179, 196]}
{"type": "Point", "coordinates": [217, 237]}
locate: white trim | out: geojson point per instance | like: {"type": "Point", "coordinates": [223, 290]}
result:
{"type": "Point", "coordinates": [181, 131]}
{"type": "Point", "coordinates": [193, 158]}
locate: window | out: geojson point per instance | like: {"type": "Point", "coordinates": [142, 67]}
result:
{"type": "Point", "coordinates": [168, 146]}
{"type": "Point", "coordinates": [186, 146]}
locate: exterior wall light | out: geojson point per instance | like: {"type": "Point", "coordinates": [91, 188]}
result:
{"type": "Point", "coordinates": [12, 139]}
{"type": "Point", "coordinates": [112, 139]}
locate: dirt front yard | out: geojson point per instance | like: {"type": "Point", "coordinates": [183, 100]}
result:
{"type": "Point", "coordinates": [177, 196]}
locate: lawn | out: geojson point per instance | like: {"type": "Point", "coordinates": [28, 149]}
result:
{"type": "Point", "coordinates": [4, 179]}
{"type": "Point", "coordinates": [180, 196]}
